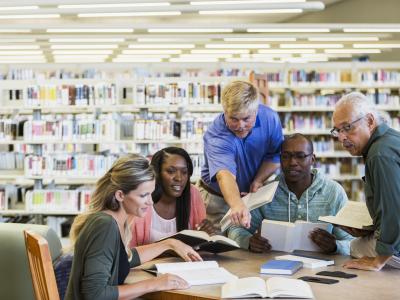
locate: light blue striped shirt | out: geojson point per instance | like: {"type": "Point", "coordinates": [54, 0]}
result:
{"type": "Point", "coordinates": [324, 196]}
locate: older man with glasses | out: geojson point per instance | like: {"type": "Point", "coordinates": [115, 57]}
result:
{"type": "Point", "coordinates": [362, 132]}
{"type": "Point", "coordinates": [303, 194]}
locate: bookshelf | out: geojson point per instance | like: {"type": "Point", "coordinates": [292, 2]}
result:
{"type": "Point", "coordinates": [61, 130]}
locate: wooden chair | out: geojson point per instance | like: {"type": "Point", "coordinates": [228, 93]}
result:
{"type": "Point", "coordinates": [41, 266]}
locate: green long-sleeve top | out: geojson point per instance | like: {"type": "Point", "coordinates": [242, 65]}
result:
{"type": "Point", "coordinates": [382, 187]}
{"type": "Point", "coordinates": [94, 273]}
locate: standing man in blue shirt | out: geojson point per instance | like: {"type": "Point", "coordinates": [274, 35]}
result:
{"type": "Point", "coordinates": [241, 149]}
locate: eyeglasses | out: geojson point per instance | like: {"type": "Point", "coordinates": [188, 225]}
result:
{"type": "Point", "coordinates": [299, 156]}
{"type": "Point", "coordinates": [335, 132]}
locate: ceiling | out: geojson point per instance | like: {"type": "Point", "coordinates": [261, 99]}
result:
{"type": "Point", "coordinates": [75, 31]}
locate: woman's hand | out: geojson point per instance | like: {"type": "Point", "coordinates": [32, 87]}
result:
{"type": "Point", "coordinates": [170, 282]}
{"type": "Point", "coordinates": [183, 250]}
{"type": "Point", "coordinates": [206, 226]}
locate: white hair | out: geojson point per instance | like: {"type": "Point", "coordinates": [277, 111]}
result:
{"type": "Point", "coordinates": [361, 106]}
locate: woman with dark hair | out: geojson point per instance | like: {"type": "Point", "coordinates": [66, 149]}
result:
{"type": "Point", "coordinates": [177, 203]}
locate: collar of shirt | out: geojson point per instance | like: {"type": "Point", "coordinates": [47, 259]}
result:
{"type": "Point", "coordinates": [379, 131]}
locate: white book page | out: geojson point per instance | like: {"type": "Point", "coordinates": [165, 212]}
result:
{"type": "Point", "coordinates": [252, 201]}
{"type": "Point", "coordinates": [182, 266]}
{"type": "Point", "coordinates": [244, 287]}
{"type": "Point", "coordinates": [279, 234]}
{"type": "Point", "coordinates": [205, 276]}
{"type": "Point", "coordinates": [303, 242]}
{"type": "Point", "coordinates": [196, 233]}
{"type": "Point", "coordinates": [224, 239]}
{"type": "Point", "coordinates": [353, 214]}
{"type": "Point", "coordinates": [288, 287]}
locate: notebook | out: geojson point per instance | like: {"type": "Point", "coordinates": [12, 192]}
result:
{"type": "Point", "coordinates": [308, 262]}
{"type": "Point", "coordinates": [281, 267]}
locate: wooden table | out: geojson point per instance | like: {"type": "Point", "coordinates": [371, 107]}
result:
{"type": "Point", "coordinates": [368, 285]}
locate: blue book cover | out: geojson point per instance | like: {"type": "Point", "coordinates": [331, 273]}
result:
{"type": "Point", "coordinates": [281, 267]}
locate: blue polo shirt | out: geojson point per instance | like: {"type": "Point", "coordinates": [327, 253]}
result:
{"type": "Point", "coordinates": [223, 150]}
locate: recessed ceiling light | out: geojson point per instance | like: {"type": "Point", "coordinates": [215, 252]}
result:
{"type": "Point", "coordinates": [251, 11]}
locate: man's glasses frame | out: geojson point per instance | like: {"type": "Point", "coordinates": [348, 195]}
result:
{"type": "Point", "coordinates": [335, 132]}
{"type": "Point", "coordinates": [299, 156]}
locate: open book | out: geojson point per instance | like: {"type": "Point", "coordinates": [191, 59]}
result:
{"type": "Point", "coordinates": [195, 273]}
{"type": "Point", "coordinates": [252, 201]}
{"type": "Point", "coordinates": [286, 236]}
{"type": "Point", "coordinates": [271, 288]}
{"type": "Point", "coordinates": [201, 241]}
{"type": "Point", "coordinates": [353, 214]}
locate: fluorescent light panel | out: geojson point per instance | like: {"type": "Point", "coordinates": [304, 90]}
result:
{"type": "Point", "coordinates": [15, 30]}
{"type": "Point", "coordinates": [344, 39]}
{"type": "Point", "coordinates": [164, 30]}
{"type": "Point", "coordinates": [353, 51]}
{"type": "Point", "coordinates": [113, 5]}
{"type": "Point", "coordinates": [161, 46]}
{"type": "Point", "coordinates": [396, 29]}
{"type": "Point", "coordinates": [243, 2]}
{"type": "Point", "coordinates": [94, 30]}
{"type": "Point", "coordinates": [131, 14]}
{"type": "Point", "coordinates": [251, 11]}
{"type": "Point", "coordinates": [138, 56]}
{"type": "Point", "coordinates": [6, 8]}
{"type": "Point", "coordinates": [171, 40]}
{"type": "Point", "coordinates": [38, 16]}
{"type": "Point", "coordinates": [273, 51]}
{"type": "Point", "coordinates": [238, 46]}
{"type": "Point", "coordinates": [160, 51]}
{"type": "Point", "coordinates": [81, 52]}
{"type": "Point", "coordinates": [194, 59]}
{"type": "Point", "coordinates": [265, 39]}
{"type": "Point", "coordinates": [219, 51]}
{"type": "Point", "coordinates": [138, 60]}
{"type": "Point", "coordinates": [290, 30]}
{"type": "Point", "coordinates": [310, 46]}
{"type": "Point", "coordinates": [19, 47]}
{"type": "Point", "coordinates": [27, 52]}
{"type": "Point", "coordinates": [17, 40]}
{"type": "Point", "coordinates": [206, 55]}
{"type": "Point", "coordinates": [80, 46]}
{"type": "Point", "coordinates": [86, 40]}
{"type": "Point", "coordinates": [375, 46]}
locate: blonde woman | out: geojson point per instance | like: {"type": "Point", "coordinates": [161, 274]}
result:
{"type": "Point", "coordinates": [100, 237]}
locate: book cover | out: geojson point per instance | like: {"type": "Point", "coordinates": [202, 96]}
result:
{"type": "Point", "coordinates": [308, 262]}
{"type": "Point", "coordinates": [281, 267]}
{"type": "Point", "coordinates": [201, 241]}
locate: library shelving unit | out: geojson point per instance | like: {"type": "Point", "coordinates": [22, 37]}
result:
{"type": "Point", "coordinates": [60, 131]}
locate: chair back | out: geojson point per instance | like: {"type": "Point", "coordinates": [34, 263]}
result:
{"type": "Point", "coordinates": [41, 266]}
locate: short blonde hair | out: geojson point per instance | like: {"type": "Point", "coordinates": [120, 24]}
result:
{"type": "Point", "coordinates": [239, 96]}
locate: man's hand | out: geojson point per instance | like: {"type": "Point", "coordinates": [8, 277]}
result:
{"type": "Point", "coordinates": [255, 185]}
{"type": "Point", "coordinates": [367, 263]}
{"type": "Point", "coordinates": [206, 226]}
{"type": "Point", "coordinates": [240, 215]}
{"type": "Point", "coordinates": [356, 232]}
{"type": "Point", "coordinates": [324, 240]}
{"type": "Point", "coordinates": [259, 244]}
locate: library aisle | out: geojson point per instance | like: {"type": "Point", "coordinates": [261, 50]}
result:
{"type": "Point", "coordinates": [83, 82]}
